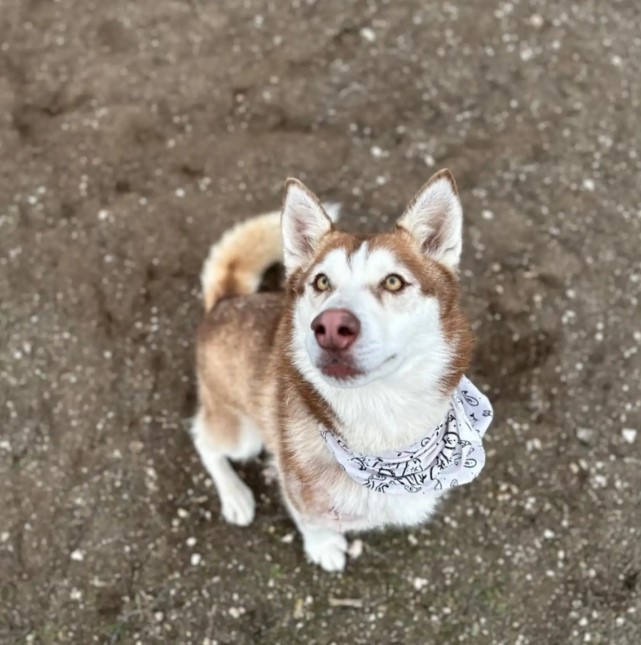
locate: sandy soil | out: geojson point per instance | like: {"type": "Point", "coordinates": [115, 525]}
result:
{"type": "Point", "coordinates": [133, 133]}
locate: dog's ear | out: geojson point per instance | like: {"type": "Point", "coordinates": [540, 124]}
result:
{"type": "Point", "coordinates": [304, 222]}
{"type": "Point", "coordinates": [434, 218]}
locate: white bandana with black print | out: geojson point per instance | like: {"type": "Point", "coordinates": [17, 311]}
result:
{"type": "Point", "coordinates": [450, 455]}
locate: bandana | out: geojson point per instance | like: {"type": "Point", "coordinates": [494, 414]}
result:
{"type": "Point", "coordinates": [450, 455]}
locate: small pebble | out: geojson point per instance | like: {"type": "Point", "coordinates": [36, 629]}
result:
{"type": "Point", "coordinates": [629, 435]}
{"type": "Point", "coordinates": [585, 435]}
{"type": "Point", "coordinates": [419, 583]}
{"type": "Point", "coordinates": [368, 34]}
{"type": "Point", "coordinates": [355, 549]}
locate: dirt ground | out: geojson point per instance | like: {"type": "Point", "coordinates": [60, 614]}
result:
{"type": "Point", "coordinates": [133, 133]}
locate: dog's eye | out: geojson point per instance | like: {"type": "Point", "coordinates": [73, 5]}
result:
{"type": "Point", "coordinates": [393, 282]}
{"type": "Point", "coordinates": [321, 282]}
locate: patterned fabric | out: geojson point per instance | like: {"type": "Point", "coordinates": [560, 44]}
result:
{"type": "Point", "coordinates": [449, 456]}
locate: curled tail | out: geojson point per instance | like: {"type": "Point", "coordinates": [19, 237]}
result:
{"type": "Point", "coordinates": [236, 263]}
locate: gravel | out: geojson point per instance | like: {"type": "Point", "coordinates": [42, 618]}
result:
{"type": "Point", "coordinates": [134, 133]}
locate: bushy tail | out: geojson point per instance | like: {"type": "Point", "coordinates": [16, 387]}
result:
{"type": "Point", "coordinates": [236, 263]}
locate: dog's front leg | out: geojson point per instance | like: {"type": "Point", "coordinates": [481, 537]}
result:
{"type": "Point", "coordinates": [324, 545]}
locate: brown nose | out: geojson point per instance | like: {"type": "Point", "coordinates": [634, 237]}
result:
{"type": "Point", "coordinates": [336, 328]}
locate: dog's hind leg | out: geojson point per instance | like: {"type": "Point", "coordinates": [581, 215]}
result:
{"type": "Point", "coordinates": [221, 437]}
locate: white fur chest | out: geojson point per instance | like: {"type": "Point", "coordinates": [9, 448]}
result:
{"type": "Point", "coordinates": [356, 508]}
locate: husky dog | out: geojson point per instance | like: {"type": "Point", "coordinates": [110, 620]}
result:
{"type": "Point", "coordinates": [362, 355]}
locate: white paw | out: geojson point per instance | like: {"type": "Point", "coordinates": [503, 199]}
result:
{"type": "Point", "coordinates": [238, 505]}
{"type": "Point", "coordinates": [326, 548]}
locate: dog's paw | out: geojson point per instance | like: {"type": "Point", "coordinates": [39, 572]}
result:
{"type": "Point", "coordinates": [326, 548]}
{"type": "Point", "coordinates": [238, 505]}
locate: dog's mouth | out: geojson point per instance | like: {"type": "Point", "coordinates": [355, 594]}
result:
{"type": "Point", "coordinates": [337, 367]}
{"type": "Point", "coordinates": [343, 368]}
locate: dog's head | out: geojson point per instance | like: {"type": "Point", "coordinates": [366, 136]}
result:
{"type": "Point", "coordinates": [366, 307]}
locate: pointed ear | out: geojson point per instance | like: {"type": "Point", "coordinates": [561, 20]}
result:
{"type": "Point", "coordinates": [304, 222]}
{"type": "Point", "coordinates": [434, 218]}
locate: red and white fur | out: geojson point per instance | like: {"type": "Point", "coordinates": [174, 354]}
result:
{"type": "Point", "coordinates": [342, 347]}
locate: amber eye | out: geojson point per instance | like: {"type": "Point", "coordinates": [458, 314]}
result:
{"type": "Point", "coordinates": [393, 282]}
{"type": "Point", "coordinates": [321, 282]}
